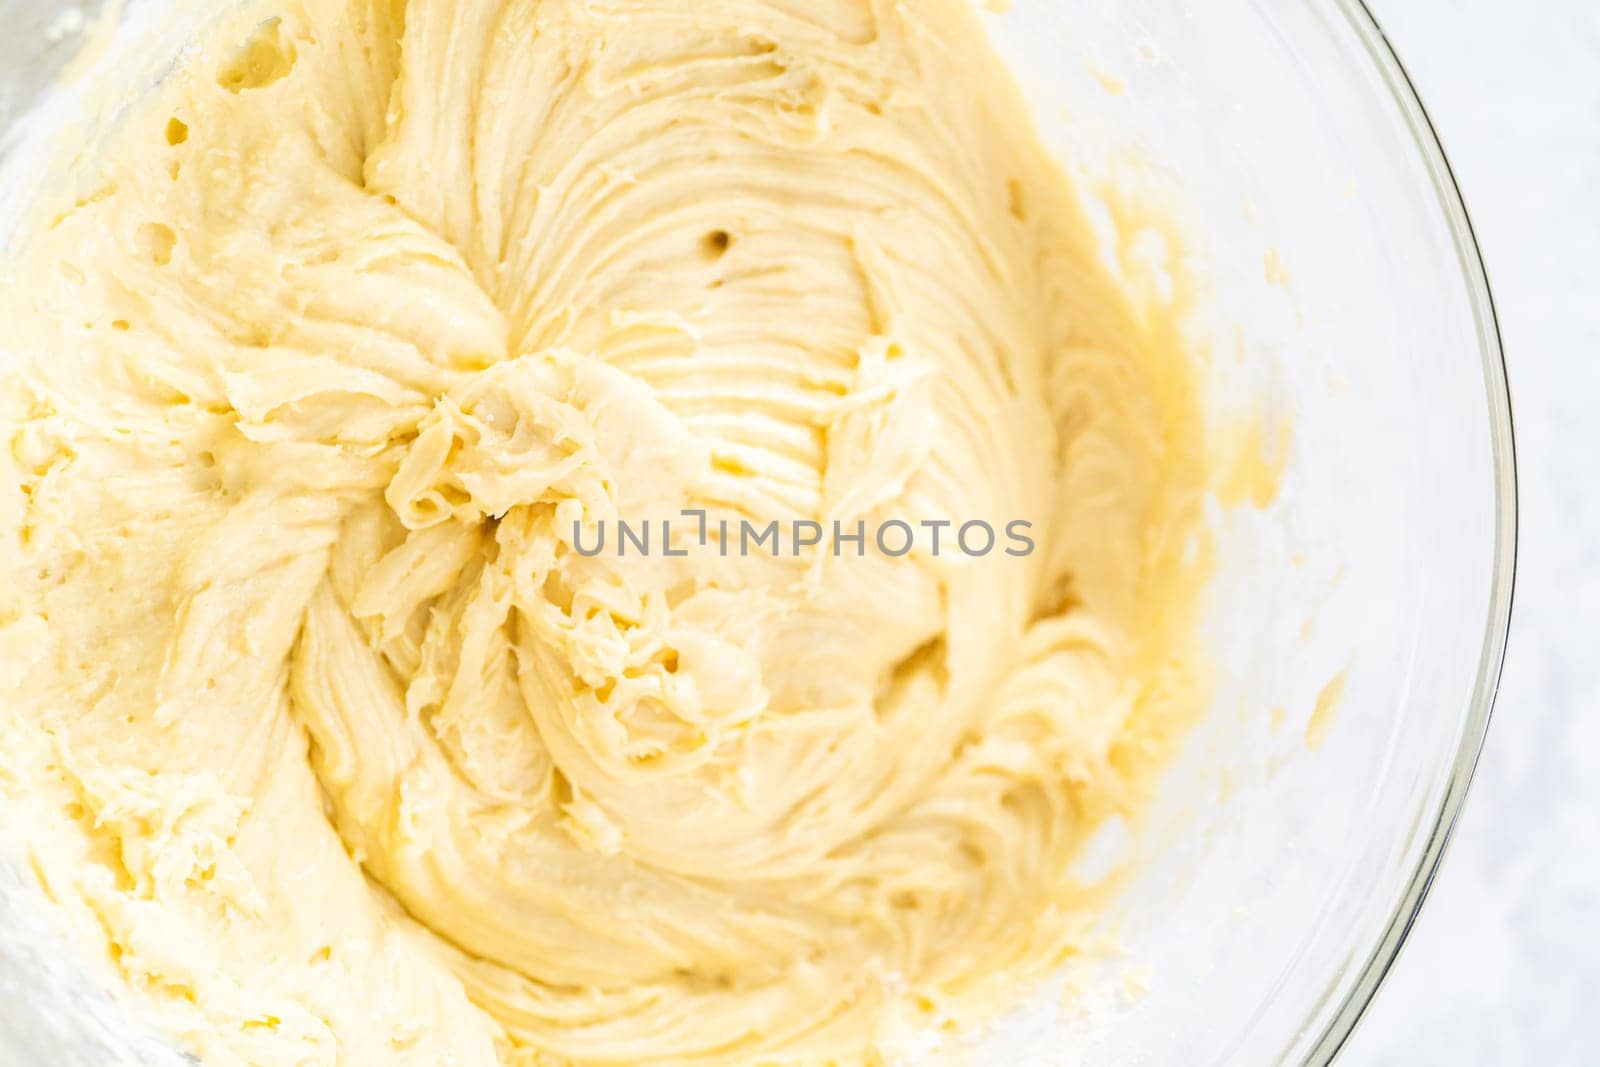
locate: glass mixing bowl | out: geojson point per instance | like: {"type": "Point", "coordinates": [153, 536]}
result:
{"type": "Point", "coordinates": [1359, 613]}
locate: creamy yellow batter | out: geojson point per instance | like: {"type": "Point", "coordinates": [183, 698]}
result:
{"type": "Point", "coordinates": [326, 742]}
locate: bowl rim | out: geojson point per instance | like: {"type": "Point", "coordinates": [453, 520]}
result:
{"type": "Point", "coordinates": [1333, 1030]}
{"type": "Point", "coordinates": [1335, 1018]}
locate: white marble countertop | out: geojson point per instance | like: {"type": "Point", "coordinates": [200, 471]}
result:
{"type": "Point", "coordinates": [1504, 966]}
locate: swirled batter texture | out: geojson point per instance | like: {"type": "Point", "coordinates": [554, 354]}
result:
{"type": "Point", "coordinates": [317, 727]}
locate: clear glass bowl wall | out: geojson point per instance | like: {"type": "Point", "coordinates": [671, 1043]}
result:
{"type": "Point", "coordinates": [1343, 294]}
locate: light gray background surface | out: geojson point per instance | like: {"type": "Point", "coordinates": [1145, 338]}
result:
{"type": "Point", "coordinates": [1504, 966]}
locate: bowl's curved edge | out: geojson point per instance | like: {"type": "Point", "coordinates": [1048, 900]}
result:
{"type": "Point", "coordinates": [1336, 1030]}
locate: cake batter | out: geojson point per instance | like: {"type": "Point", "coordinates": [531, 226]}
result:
{"type": "Point", "coordinates": [326, 742]}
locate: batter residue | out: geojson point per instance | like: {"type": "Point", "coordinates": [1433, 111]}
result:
{"type": "Point", "coordinates": [329, 745]}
